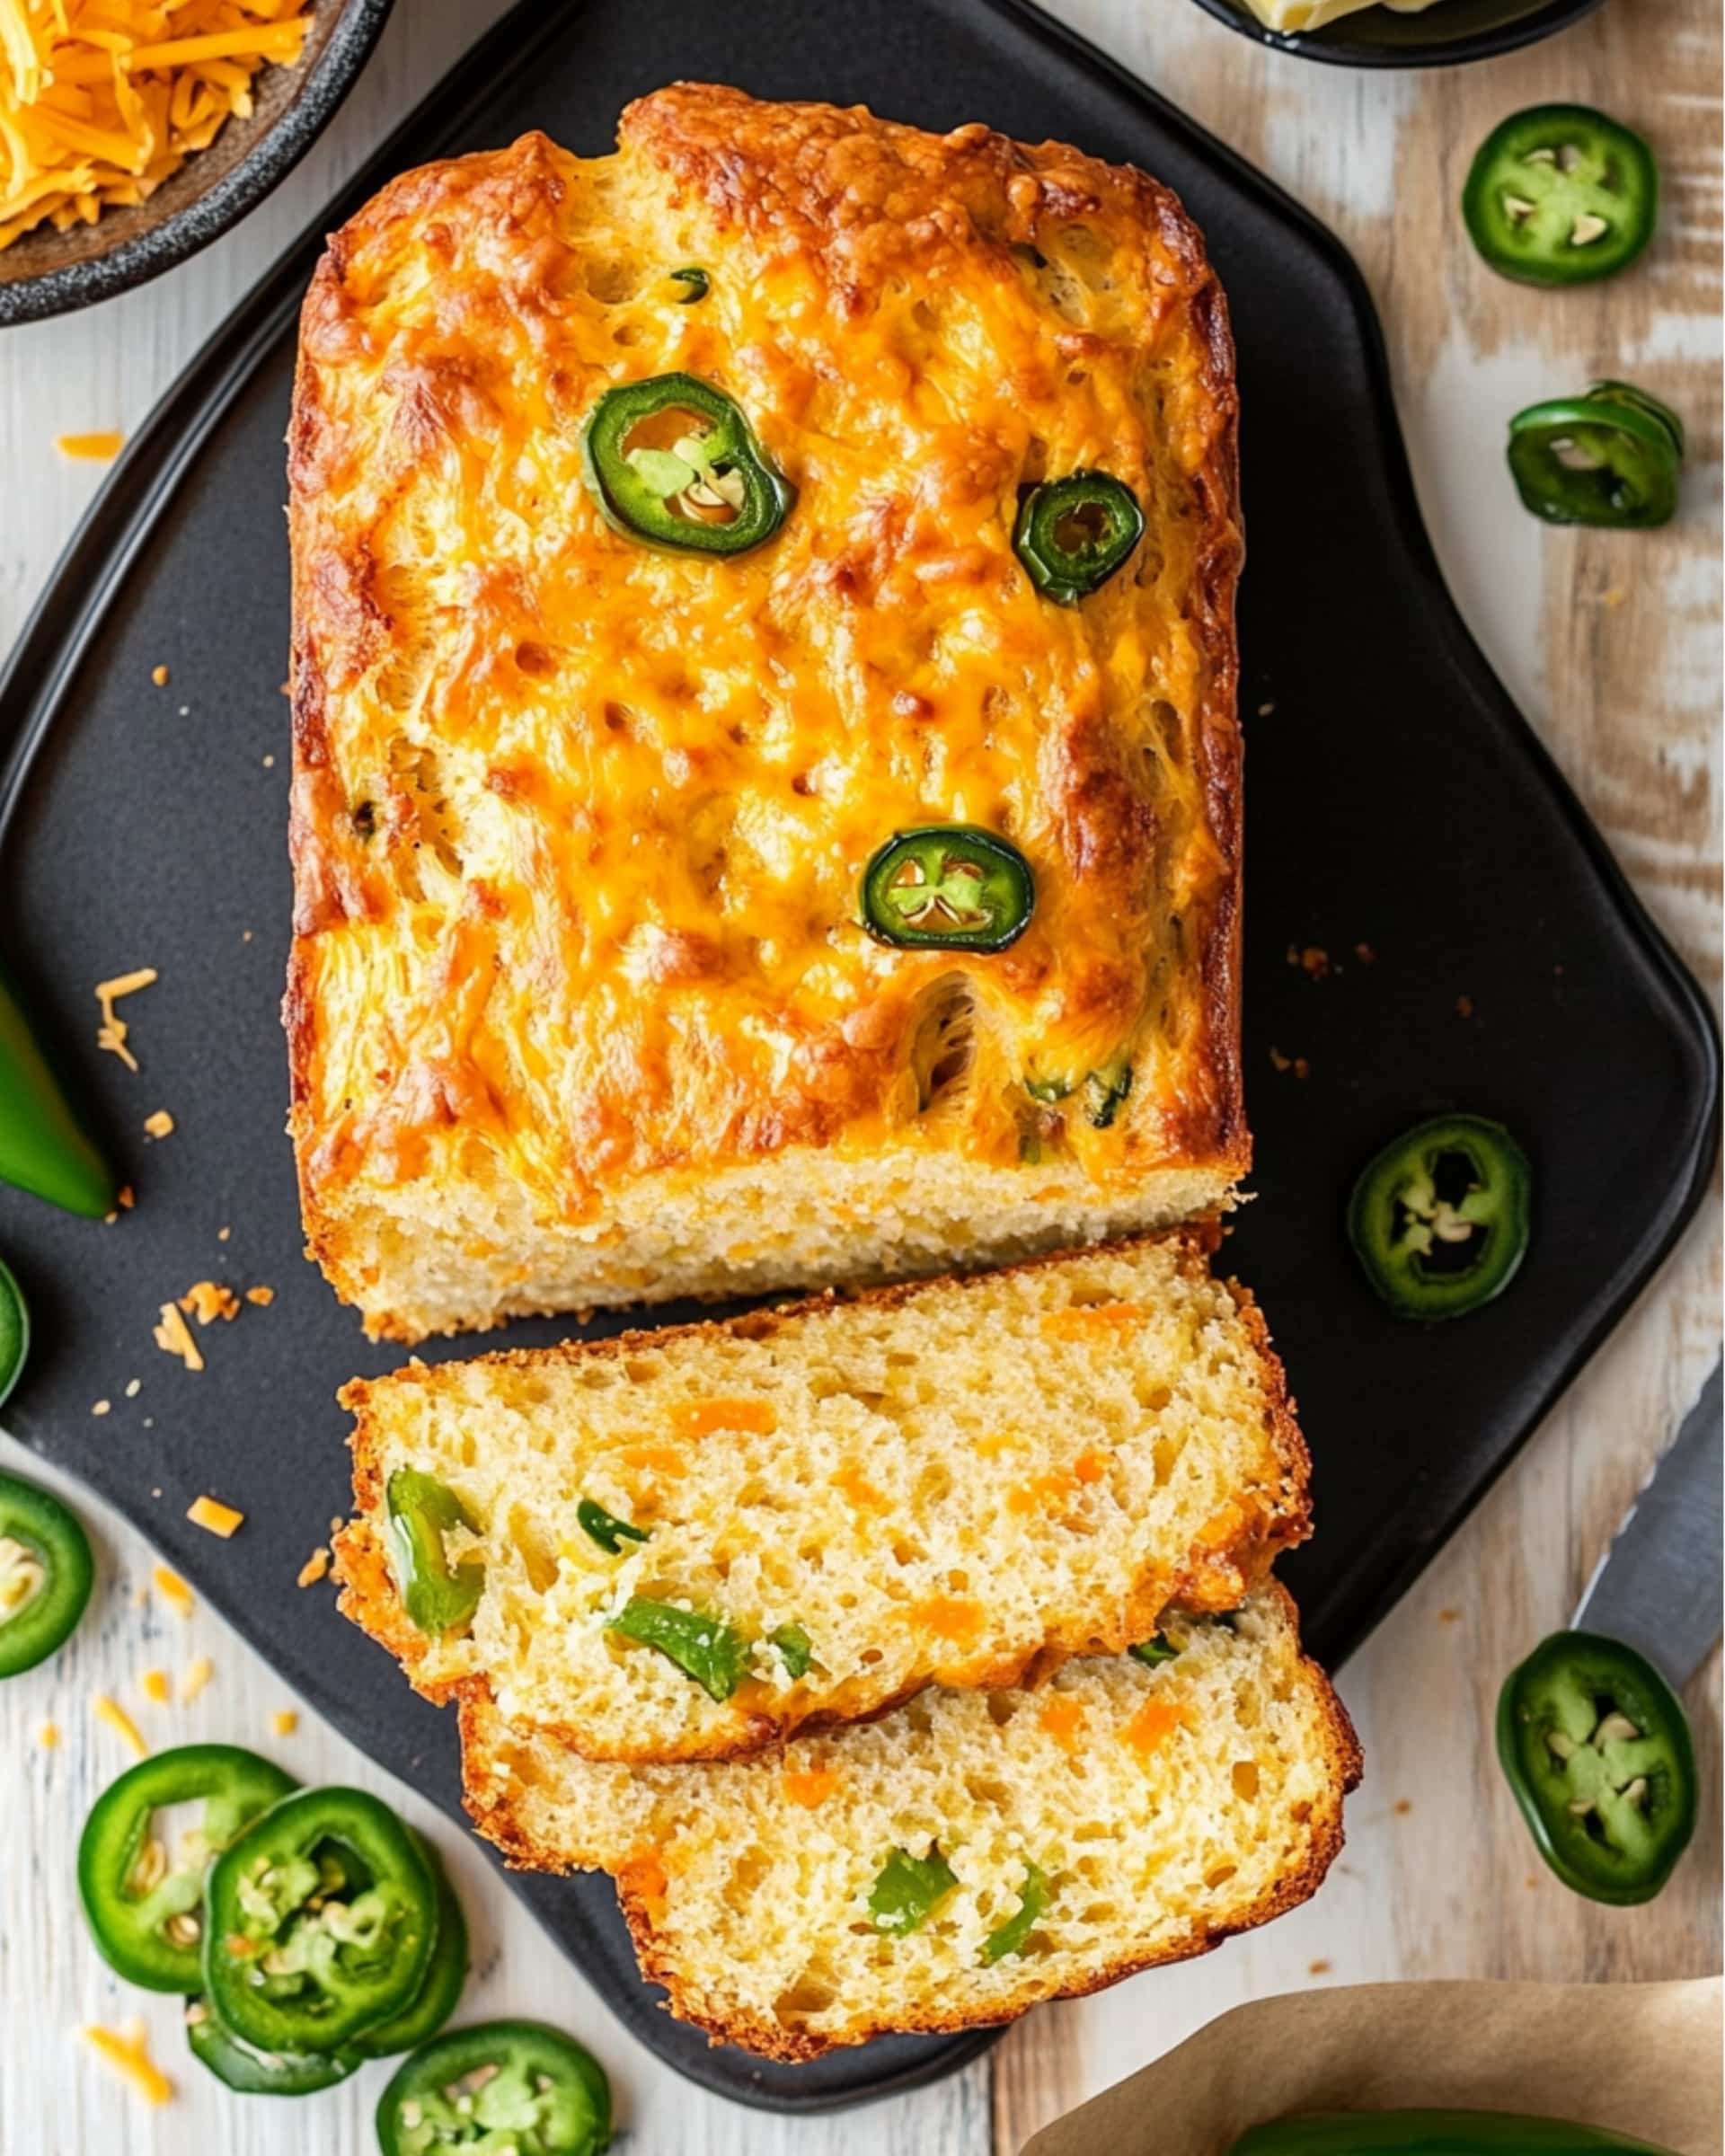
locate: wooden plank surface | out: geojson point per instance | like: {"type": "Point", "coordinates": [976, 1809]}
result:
{"type": "Point", "coordinates": [1610, 643]}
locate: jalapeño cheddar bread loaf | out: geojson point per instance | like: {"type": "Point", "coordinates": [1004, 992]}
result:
{"type": "Point", "coordinates": [766, 796]}
{"type": "Point", "coordinates": [963, 1858]}
{"type": "Point", "coordinates": [685, 1544]}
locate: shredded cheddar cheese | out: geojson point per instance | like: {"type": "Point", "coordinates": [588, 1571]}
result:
{"type": "Point", "coordinates": [284, 1721]}
{"type": "Point", "coordinates": [206, 1300]}
{"type": "Point", "coordinates": [112, 1032]}
{"type": "Point", "coordinates": [128, 2050]}
{"type": "Point", "coordinates": [153, 1685]}
{"type": "Point", "coordinates": [263, 1297]}
{"type": "Point", "coordinates": [48, 1737]}
{"type": "Point", "coordinates": [215, 1517]}
{"type": "Point", "coordinates": [122, 1723]}
{"type": "Point", "coordinates": [97, 448]}
{"type": "Point", "coordinates": [159, 1124]}
{"type": "Point", "coordinates": [199, 1670]}
{"type": "Point", "coordinates": [174, 1337]}
{"type": "Point", "coordinates": [314, 1567]}
{"type": "Point", "coordinates": [171, 1588]}
{"type": "Point", "coordinates": [100, 104]}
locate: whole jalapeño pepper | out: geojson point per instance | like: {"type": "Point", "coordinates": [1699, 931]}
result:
{"type": "Point", "coordinates": [43, 1148]}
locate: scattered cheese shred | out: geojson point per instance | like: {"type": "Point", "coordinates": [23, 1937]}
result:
{"type": "Point", "coordinates": [101, 1407]}
{"type": "Point", "coordinates": [153, 1684]}
{"type": "Point", "coordinates": [159, 675]}
{"type": "Point", "coordinates": [199, 1672]}
{"type": "Point", "coordinates": [122, 1723]}
{"type": "Point", "coordinates": [206, 1300]}
{"type": "Point", "coordinates": [128, 2052]}
{"type": "Point", "coordinates": [217, 1518]}
{"type": "Point", "coordinates": [112, 1032]}
{"type": "Point", "coordinates": [97, 448]}
{"type": "Point", "coordinates": [160, 1124]}
{"type": "Point", "coordinates": [263, 1297]}
{"type": "Point", "coordinates": [98, 107]}
{"type": "Point", "coordinates": [171, 1588]}
{"type": "Point", "coordinates": [284, 1721]}
{"type": "Point", "coordinates": [48, 1737]}
{"type": "Point", "coordinates": [171, 1335]}
{"type": "Point", "coordinates": [314, 1567]}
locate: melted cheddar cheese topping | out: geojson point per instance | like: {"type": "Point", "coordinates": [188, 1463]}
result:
{"type": "Point", "coordinates": [579, 825]}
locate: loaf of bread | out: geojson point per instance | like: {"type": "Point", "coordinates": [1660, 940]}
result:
{"type": "Point", "coordinates": [963, 1858]}
{"type": "Point", "coordinates": [583, 1007]}
{"type": "Point", "coordinates": [958, 1483]}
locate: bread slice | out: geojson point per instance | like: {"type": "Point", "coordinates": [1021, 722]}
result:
{"type": "Point", "coordinates": [1163, 1807]}
{"type": "Point", "coordinates": [958, 1483]}
{"type": "Point", "coordinates": [581, 1008]}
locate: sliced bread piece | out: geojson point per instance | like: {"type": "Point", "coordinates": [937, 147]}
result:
{"type": "Point", "coordinates": [963, 1858]}
{"type": "Point", "coordinates": [806, 1516]}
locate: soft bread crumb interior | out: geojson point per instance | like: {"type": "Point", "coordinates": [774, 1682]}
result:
{"type": "Point", "coordinates": [1163, 1806]}
{"type": "Point", "coordinates": [938, 1485]}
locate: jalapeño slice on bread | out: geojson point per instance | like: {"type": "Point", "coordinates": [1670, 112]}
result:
{"type": "Point", "coordinates": [674, 463]}
{"type": "Point", "coordinates": [949, 884]}
{"type": "Point", "coordinates": [1073, 532]}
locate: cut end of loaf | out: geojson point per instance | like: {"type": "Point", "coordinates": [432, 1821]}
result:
{"type": "Point", "coordinates": [1167, 1808]}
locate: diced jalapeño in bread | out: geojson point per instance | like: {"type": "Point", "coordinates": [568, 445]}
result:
{"type": "Point", "coordinates": [437, 1596]}
{"type": "Point", "coordinates": [702, 1646]}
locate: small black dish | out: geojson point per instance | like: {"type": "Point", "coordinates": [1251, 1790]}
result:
{"type": "Point", "coordinates": [1445, 35]}
{"type": "Point", "coordinates": [47, 272]}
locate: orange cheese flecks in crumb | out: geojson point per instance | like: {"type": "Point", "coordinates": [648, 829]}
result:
{"type": "Point", "coordinates": [263, 1297]}
{"type": "Point", "coordinates": [645, 1878]}
{"type": "Point", "coordinates": [1042, 1492]}
{"type": "Point", "coordinates": [284, 1721]}
{"type": "Point", "coordinates": [112, 1032]}
{"type": "Point", "coordinates": [211, 1514]}
{"type": "Point", "coordinates": [993, 1445]}
{"type": "Point", "coordinates": [1090, 1466]}
{"type": "Point", "coordinates": [1085, 1322]}
{"type": "Point", "coordinates": [852, 1483]}
{"type": "Point", "coordinates": [171, 1588]}
{"type": "Point", "coordinates": [120, 1723]}
{"type": "Point", "coordinates": [206, 1300]}
{"type": "Point", "coordinates": [655, 1459]}
{"type": "Point", "coordinates": [1063, 1717]}
{"type": "Point", "coordinates": [159, 1124]}
{"type": "Point", "coordinates": [315, 1566]}
{"type": "Point", "coordinates": [173, 1338]}
{"type": "Point", "coordinates": [99, 447]}
{"type": "Point", "coordinates": [949, 1617]}
{"type": "Point", "coordinates": [128, 2053]}
{"type": "Point", "coordinates": [701, 1417]}
{"type": "Point", "coordinates": [199, 1670]}
{"type": "Point", "coordinates": [1151, 1724]}
{"type": "Point", "coordinates": [153, 1685]}
{"type": "Point", "coordinates": [809, 1786]}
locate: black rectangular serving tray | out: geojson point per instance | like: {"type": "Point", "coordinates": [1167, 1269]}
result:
{"type": "Point", "coordinates": [1396, 799]}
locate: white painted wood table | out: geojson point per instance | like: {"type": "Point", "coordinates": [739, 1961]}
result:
{"type": "Point", "coordinates": [1611, 643]}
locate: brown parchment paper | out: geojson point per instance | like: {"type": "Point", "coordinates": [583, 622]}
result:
{"type": "Point", "coordinates": [1641, 2058]}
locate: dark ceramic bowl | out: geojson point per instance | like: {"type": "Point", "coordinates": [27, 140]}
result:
{"type": "Point", "coordinates": [1448, 34]}
{"type": "Point", "coordinates": [50, 272]}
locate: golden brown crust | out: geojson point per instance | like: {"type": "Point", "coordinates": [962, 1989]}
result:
{"type": "Point", "coordinates": [488, 1805]}
{"type": "Point", "coordinates": [577, 827]}
{"type": "Point", "coordinates": [1216, 1576]}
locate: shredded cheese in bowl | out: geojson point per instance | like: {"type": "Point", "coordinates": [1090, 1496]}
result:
{"type": "Point", "coordinates": [101, 101]}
